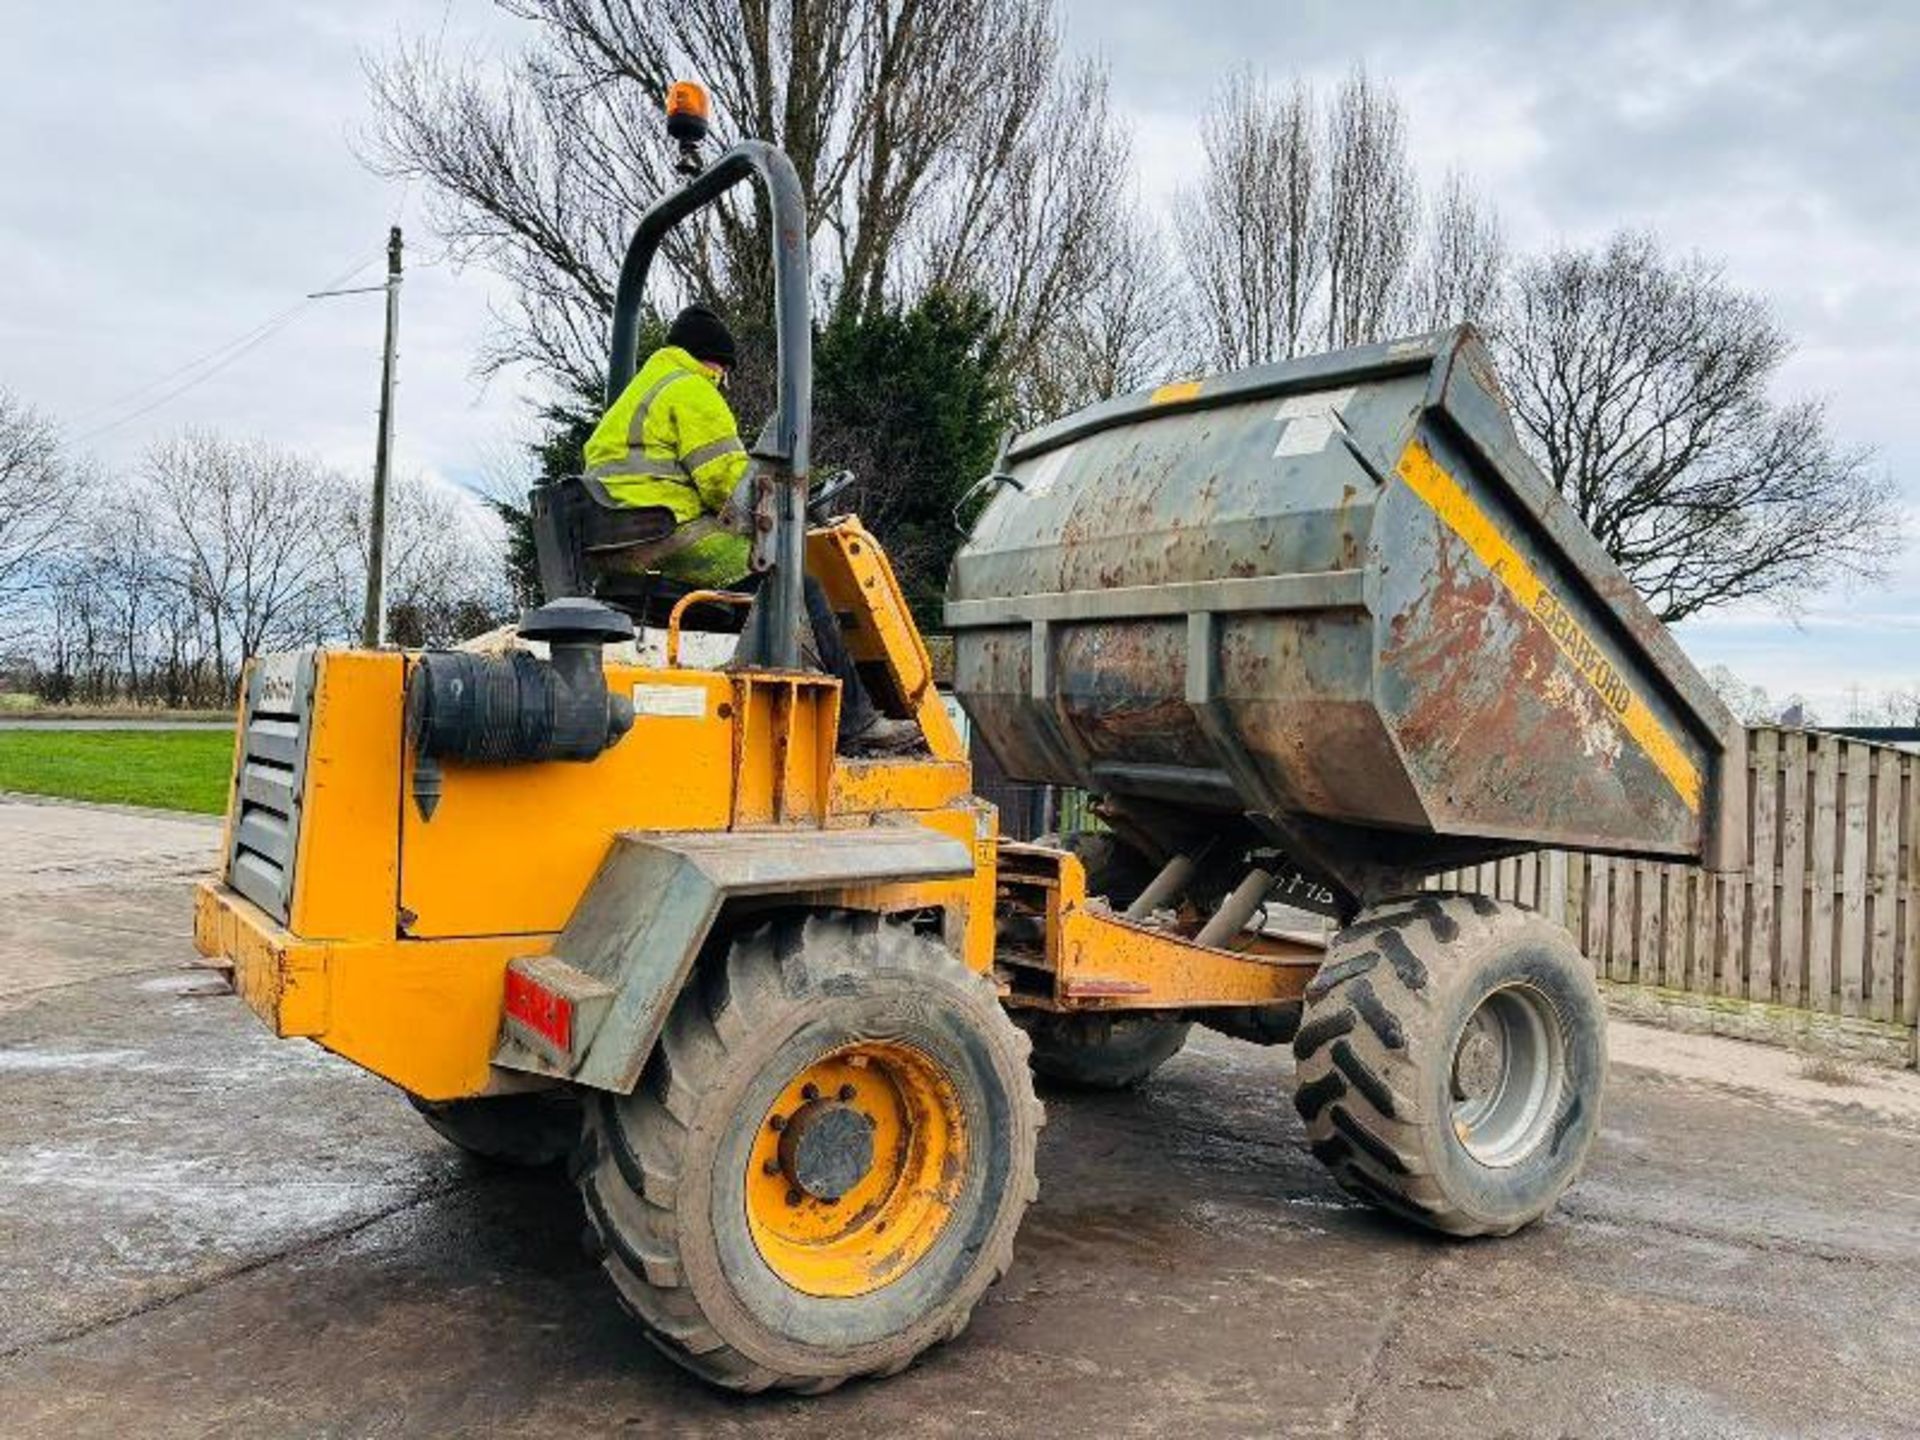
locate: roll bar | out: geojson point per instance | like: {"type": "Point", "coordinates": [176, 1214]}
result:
{"type": "Point", "coordinates": [784, 447]}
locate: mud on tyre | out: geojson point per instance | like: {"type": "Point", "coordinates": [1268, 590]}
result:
{"type": "Point", "coordinates": [1451, 1059]}
{"type": "Point", "coordinates": [825, 1162]}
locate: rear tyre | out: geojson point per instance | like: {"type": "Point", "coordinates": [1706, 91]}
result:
{"type": "Point", "coordinates": [530, 1130]}
{"type": "Point", "coordinates": [1103, 1052]}
{"type": "Point", "coordinates": [1451, 1061]}
{"type": "Point", "coordinates": [823, 1166]}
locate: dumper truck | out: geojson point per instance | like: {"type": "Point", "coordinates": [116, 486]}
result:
{"type": "Point", "coordinates": [1309, 633]}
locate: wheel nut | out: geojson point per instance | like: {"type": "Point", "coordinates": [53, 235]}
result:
{"type": "Point", "coordinates": [793, 1197]}
{"type": "Point", "coordinates": [847, 1092]}
{"type": "Point", "coordinates": [809, 1092]}
{"type": "Point", "coordinates": [777, 1123]}
{"type": "Point", "coordinates": [769, 1166]}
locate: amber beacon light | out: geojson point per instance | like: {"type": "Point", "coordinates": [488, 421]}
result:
{"type": "Point", "coordinates": [687, 112]}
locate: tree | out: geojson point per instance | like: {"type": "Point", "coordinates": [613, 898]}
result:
{"type": "Point", "coordinates": [1042, 226]}
{"type": "Point", "coordinates": [1642, 385]}
{"type": "Point", "coordinates": [1254, 232]}
{"type": "Point", "coordinates": [1126, 334]}
{"type": "Point", "coordinates": [250, 531]}
{"type": "Point", "coordinates": [38, 495]}
{"type": "Point", "coordinates": [1303, 229]}
{"type": "Point", "coordinates": [1463, 261]}
{"type": "Point", "coordinates": [1373, 212]}
{"type": "Point", "coordinates": [1752, 705]}
{"type": "Point", "coordinates": [445, 581]}
{"type": "Point", "coordinates": [909, 122]}
{"type": "Point", "coordinates": [1898, 705]}
{"type": "Point", "coordinates": [917, 442]}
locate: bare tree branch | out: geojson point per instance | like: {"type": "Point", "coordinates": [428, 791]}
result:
{"type": "Point", "coordinates": [892, 111]}
{"type": "Point", "coordinates": [1373, 210]}
{"type": "Point", "coordinates": [1254, 233]}
{"type": "Point", "coordinates": [1641, 384]}
{"type": "Point", "coordinates": [38, 492]}
{"type": "Point", "coordinates": [1462, 267]}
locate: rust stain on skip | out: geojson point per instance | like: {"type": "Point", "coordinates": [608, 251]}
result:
{"type": "Point", "coordinates": [1428, 479]}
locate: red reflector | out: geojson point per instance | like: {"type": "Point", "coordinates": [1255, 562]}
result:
{"type": "Point", "coordinates": [540, 1010]}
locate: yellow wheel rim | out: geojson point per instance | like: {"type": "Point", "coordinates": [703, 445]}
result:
{"type": "Point", "coordinates": [856, 1169]}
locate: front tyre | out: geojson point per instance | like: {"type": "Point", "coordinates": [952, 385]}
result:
{"type": "Point", "coordinates": [1451, 1061]}
{"type": "Point", "coordinates": [825, 1163]}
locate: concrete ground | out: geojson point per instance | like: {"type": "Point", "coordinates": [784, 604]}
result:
{"type": "Point", "coordinates": [207, 1232]}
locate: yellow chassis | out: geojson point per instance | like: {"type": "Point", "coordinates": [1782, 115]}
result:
{"type": "Point", "coordinates": [400, 928]}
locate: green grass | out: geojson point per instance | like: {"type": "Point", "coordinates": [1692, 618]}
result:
{"type": "Point", "coordinates": [166, 769]}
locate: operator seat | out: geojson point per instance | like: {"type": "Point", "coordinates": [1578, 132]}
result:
{"type": "Point", "coordinates": [579, 529]}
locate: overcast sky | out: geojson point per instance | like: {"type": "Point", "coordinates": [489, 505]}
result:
{"type": "Point", "coordinates": [176, 174]}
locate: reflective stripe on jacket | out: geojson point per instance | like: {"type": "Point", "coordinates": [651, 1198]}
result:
{"type": "Point", "coordinates": [671, 440]}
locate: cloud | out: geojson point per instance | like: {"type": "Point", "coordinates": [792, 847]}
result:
{"type": "Point", "coordinates": [176, 172]}
{"type": "Point", "coordinates": [181, 172]}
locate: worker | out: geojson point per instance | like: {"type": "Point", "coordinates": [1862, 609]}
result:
{"type": "Point", "coordinates": [670, 440]}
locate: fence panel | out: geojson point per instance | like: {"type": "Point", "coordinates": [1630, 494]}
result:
{"type": "Point", "coordinates": [1793, 867]}
{"type": "Point", "coordinates": [1823, 817]}
{"type": "Point", "coordinates": [1826, 916]}
{"type": "Point", "coordinates": [1856, 767]}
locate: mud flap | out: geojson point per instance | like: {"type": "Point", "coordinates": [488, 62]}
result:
{"type": "Point", "coordinates": [642, 923]}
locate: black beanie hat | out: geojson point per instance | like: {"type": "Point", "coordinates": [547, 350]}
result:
{"type": "Point", "coordinates": [703, 335]}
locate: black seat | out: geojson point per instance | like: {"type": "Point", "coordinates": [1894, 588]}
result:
{"type": "Point", "coordinates": [579, 531]}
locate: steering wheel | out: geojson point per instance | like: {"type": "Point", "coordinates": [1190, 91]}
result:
{"type": "Point", "coordinates": [831, 489]}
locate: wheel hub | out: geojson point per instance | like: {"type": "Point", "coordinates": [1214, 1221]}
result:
{"type": "Point", "coordinates": [827, 1149]}
{"type": "Point", "coordinates": [1478, 1062]}
{"type": "Point", "coordinates": [1509, 1070]}
{"type": "Point", "coordinates": [856, 1168]}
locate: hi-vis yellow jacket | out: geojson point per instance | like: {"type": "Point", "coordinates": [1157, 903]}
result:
{"type": "Point", "coordinates": [671, 440]}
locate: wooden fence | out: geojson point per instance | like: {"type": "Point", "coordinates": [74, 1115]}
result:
{"type": "Point", "coordinates": [1826, 918]}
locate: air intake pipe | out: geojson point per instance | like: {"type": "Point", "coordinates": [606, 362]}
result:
{"type": "Point", "coordinates": [516, 709]}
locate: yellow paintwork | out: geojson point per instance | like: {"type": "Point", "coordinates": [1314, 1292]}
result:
{"type": "Point", "coordinates": [783, 739]}
{"type": "Point", "coordinates": [423, 1014]}
{"type": "Point", "coordinates": [860, 583]}
{"type": "Point", "coordinates": [1100, 961]}
{"type": "Point", "coordinates": [685, 603]}
{"type": "Point", "coordinates": [348, 867]}
{"type": "Point", "coordinates": [874, 1232]}
{"type": "Point", "coordinates": [1428, 479]}
{"type": "Point", "coordinates": [866, 787]}
{"type": "Point", "coordinates": [967, 904]}
{"type": "Point", "coordinates": [401, 927]}
{"type": "Point", "coordinates": [282, 979]}
{"type": "Point", "coordinates": [1106, 962]}
{"type": "Point", "coordinates": [511, 848]}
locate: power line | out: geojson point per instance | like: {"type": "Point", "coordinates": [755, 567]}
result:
{"type": "Point", "coordinates": [218, 350]}
{"type": "Point", "coordinates": [204, 367]}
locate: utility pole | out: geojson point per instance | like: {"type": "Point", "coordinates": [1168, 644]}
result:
{"type": "Point", "coordinates": [373, 621]}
